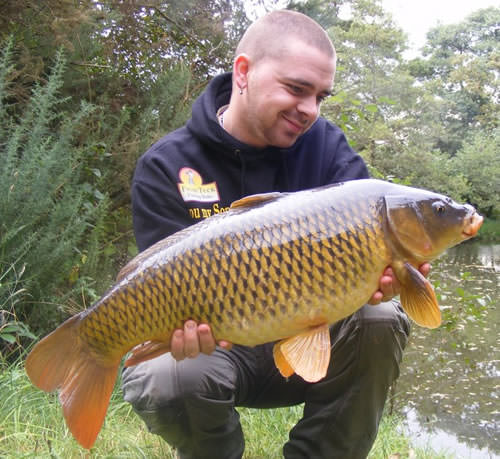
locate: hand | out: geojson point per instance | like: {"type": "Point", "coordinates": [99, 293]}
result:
{"type": "Point", "coordinates": [193, 340]}
{"type": "Point", "coordinates": [389, 285]}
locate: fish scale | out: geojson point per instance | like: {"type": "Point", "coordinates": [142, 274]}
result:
{"type": "Point", "coordinates": [274, 268]}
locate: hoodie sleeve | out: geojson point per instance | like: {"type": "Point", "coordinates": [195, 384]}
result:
{"type": "Point", "coordinates": [157, 209]}
{"type": "Point", "coordinates": [346, 164]}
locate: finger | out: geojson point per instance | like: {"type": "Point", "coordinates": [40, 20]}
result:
{"type": "Point", "coordinates": [191, 342]}
{"type": "Point", "coordinates": [388, 272]}
{"type": "Point", "coordinates": [388, 286]}
{"type": "Point", "coordinates": [177, 345]}
{"type": "Point", "coordinates": [425, 269]}
{"type": "Point", "coordinates": [225, 345]}
{"type": "Point", "coordinates": [376, 298]}
{"type": "Point", "coordinates": [207, 341]}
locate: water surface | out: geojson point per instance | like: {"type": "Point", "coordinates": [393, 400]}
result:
{"type": "Point", "coordinates": [449, 387]}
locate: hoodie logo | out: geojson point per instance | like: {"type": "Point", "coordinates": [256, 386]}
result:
{"type": "Point", "coordinates": [191, 187]}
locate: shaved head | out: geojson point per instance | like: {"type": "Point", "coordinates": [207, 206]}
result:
{"type": "Point", "coordinates": [283, 69]}
{"type": "Point", "coordinates": [270, 35]}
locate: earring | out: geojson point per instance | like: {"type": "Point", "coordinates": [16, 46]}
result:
{"type": "Point", "coordinates": [241, 91]}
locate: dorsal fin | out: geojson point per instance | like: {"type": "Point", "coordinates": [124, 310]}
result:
{"type": "Point", "coordinates": [256, 199]}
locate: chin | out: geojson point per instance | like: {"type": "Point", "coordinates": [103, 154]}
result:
{"type": "Point", "coordinates": [285, 141]}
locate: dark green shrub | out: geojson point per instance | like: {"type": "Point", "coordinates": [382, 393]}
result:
{"type": "Point", "coordinates": [46, 210]}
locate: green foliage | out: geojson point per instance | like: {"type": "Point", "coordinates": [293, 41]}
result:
{"type": "Point", "coordinates": [460, 66]}
{"type": "Point", "coordinates": [46, 212]}
{"type": "Point", "coordinates": [490, 231]}
{"type": "Point", "coordinates": [118, 52]}
{"type": "Point", "coordinates": [325, 13]}
{"type": "Point", "coordinates": [430, 170]}
{"type": "Point", "coordinates": [12, 331]}
{"type": "Point", "coordinates": [143, 41]}
{"type": "Point", "coordinates": [479, 162]}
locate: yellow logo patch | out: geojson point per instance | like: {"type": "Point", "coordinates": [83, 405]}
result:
{"type": "Point", "coordinates": [192, 188]}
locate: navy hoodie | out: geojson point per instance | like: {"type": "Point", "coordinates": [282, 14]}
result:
{"type": "Point", "coordinates": [199, 170]}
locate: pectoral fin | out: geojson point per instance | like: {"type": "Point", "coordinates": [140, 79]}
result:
{"type": "Point", "coordinates": [418, 298]}
{"type": "Point", "coordinates": [281, 363]}
{"type": "Point", "coordinates": [307, 354]}
{"type": "Point", "coordinates": [146, 351]}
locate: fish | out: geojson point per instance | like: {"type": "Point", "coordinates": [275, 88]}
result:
{"type": "Point", "coordinates": [276, 267]}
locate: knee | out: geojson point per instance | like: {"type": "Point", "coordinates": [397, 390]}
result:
{"type": "Point", "coordinates": [388, 315]}
{"type": "Point", "coordinates": [384, 331]}
{"type": "Point", "coordinates": [165, 382]}
{"type": "Point", "coordinates": [149, 385]}
{"type": "Point", "coordinates": [389, 311]}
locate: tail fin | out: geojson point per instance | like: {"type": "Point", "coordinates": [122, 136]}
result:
{"type": "Point", "coordinates": [62, 361]}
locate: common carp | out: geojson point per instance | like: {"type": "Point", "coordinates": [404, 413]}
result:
{"type": "Point", "coordinates": [277, 267]}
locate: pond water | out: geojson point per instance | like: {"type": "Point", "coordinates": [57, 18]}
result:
{"type": "Point", "coordinates": [449, 388]}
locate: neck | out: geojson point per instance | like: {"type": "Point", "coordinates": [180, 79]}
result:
{"type": "Point", "coordinates": [233, 124]}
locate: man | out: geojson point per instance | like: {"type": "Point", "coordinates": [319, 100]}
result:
{"type": "Point", "coordinates": [258, 130]}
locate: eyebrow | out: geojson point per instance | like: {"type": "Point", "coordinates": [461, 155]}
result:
{"type": "Point", "coordinates": [300, 82]}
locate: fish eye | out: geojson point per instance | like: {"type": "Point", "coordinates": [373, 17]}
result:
{"type": "Point", "coordinates": [439, 207]}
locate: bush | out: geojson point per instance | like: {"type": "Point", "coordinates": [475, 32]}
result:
{"type": "Point", "coordinates": [479, 161]}
{"type": "Point", "coordinates": [46, 211]}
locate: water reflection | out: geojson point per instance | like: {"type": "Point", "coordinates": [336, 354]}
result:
{"type": "Point", "coordinates": [489, 256]}
{"type": "Point", "coordinates": [450, 381]}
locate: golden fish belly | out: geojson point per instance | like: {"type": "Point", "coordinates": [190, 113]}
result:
{"type": "Point", "coordinates": [266, 276]}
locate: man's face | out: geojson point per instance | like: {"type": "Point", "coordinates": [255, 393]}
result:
{"type": "Point", "coordinates": [284, 95]}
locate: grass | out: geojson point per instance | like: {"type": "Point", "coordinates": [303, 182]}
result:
{"type": "Point", "coordinates": [32, 427]}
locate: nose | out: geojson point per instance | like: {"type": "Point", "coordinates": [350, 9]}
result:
{"type": "Point", "coordinates": [309, 107]}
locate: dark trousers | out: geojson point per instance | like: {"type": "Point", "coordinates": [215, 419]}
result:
{"type": "Point", "coordinates": [191, 403]}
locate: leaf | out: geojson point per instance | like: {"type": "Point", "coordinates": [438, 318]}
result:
{"type": "Point", "coordinates": [9, 338]}
{"type": "Point", "coordinates": [26, 333]}
{"type": "Point", "coordinates": [386, 100]}
{"type": "Point", "coordinates": [98, 195]}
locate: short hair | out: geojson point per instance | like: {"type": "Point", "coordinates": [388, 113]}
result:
{"type": "Point", "coordinates": [266, 36]}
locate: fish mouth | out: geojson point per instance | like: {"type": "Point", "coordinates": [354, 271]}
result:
{"type": "Point", "coordinates": [472, 225]}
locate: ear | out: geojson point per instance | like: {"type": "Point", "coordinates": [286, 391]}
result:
{"type": "Point", "coordinates": [240, 70]}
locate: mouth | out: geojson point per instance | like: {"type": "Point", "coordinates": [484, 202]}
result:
{"type": "Point", "coordinates": [295, 126]}
{"type": "Point", "coordinates": [472, 225]}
